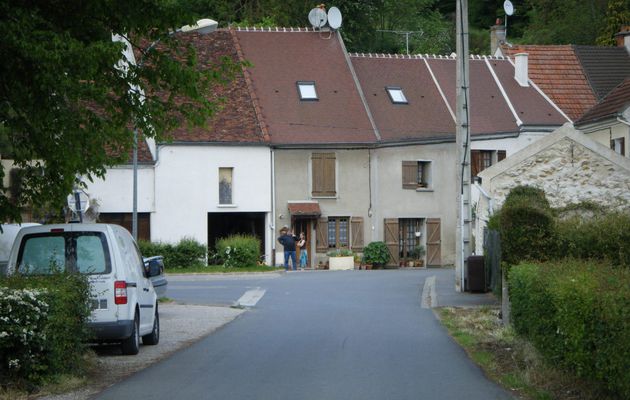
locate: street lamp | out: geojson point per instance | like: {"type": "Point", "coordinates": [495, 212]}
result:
{"type": "Point", "coordinates": [203, 26]}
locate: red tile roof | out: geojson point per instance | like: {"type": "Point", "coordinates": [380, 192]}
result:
{"type": "Point", "coordinates": [559, 74]}
{"type": "Point", "coordinates": [424, 117]}
{"type": "Point", "coordinates": [617, 101]}
{"type": "Point", "coordinates": [305, 209]}
{"type": "Point", "coordinates": [278, 61]}
{"type": "Point", "coordinates": [236, 120]}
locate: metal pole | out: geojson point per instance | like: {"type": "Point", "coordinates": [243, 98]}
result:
{"type": "Point", "coordinates": [464, 231]}
{"type": "Point", "coordinates": [77, 202]}
{"type": "Point", "coordinates": [134, 215]}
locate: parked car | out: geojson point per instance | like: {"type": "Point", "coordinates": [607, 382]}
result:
{"type": "Point", "coordinates": [124, 302]}
{"type": "Point", "coordinates": [158, 279]}
{"type": "Point", "coordinates": [7, 237]}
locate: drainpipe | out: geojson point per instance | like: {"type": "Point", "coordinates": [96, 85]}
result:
{"type": "Point", "coordinates": [272, 226]}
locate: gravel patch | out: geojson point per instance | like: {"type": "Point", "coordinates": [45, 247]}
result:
{"type": "Point", "coordinates": [180, 326]}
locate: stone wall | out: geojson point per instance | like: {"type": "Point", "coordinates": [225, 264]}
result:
{"type": "Point", "coordinates": [569, 173]}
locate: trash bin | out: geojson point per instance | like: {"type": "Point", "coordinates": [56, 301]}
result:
{"type": "Point", "coordinates": [476, 274]}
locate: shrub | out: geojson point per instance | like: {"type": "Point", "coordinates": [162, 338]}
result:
{"type": "Point", "coordinates": [239, 251]}
{"type": "Point", "coordinates": [605, 236]}
{"type": "Point", "coordinates": [187, 253]}
{"type": "Point", "coordinates": [578, 315]}
{"type": "Point", "coordinates": [526, 225]}
{"type": "Point", "coordinates": [376, 253]}
{"type": "Point", "coordinates": [340, 253]}
{"type": "Point", "coordinates": [42, 327]}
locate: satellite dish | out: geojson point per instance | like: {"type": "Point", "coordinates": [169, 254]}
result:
{"type": "Point", "coordinates": [317, 17]}
{"type": "Point", "coordinates": [508, 7]}
{"type": "Point", "coordinates": [334, 18]}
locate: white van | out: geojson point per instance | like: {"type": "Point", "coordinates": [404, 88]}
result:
{"type": "Point", "coordinates": [124, 303]}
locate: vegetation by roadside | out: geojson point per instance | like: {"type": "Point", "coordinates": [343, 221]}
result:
{"type": "Point", "coordinates": [220, 269]}
{"type": "Point", "coordinates": [510, 360]}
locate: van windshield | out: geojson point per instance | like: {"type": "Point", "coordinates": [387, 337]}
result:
{"type": "Point", "coordinates": [45, 253]}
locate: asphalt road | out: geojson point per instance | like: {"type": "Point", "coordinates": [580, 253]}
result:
{"type": "Point", "coordinates": [316, 335]}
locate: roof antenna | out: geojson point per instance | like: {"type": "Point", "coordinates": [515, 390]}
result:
{"type": "Point", "coordinates": [509, 11]}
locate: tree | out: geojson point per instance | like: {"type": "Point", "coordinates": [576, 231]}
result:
{"type": "Point", "coordinates": [63, 102]}
{"type": "Point", "coordinates": [617, 15]}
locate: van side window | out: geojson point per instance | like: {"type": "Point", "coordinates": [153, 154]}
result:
{"type": "Point", "coordinates": [43, 255]}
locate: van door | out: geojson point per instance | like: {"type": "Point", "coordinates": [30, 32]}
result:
{"type": "Point", "coordinates": [146, 293]}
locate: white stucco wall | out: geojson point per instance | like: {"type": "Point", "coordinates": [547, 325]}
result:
{"type": "Point", "coordinates": [293, 183]}
{"type": "Point", "coordinates": [439, 201]}
{"type": "Point", "coordinates": [605, 133]}
{"type": "Point", "coordinates": [510, 145]}
{"type": "Point", "coordinates": [187, 188]}
{"type": "Point", "coordinates": [114, 193]}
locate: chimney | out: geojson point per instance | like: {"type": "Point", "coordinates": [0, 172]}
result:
{"type": "Point", "coordinates": [497, 36]}
{"type": "Point", "coordinates": [520, 69]}
{"type": "Point", "coordinates": [623, 37]}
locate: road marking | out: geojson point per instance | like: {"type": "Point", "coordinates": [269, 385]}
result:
{"type": "Point", "coordinates": [250, 298]}
{"type": "Point", "coordinates": [429, 295]}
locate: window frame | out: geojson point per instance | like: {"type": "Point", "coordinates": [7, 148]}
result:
{"type": "Point", "coordinates": [231, 187]}
{"type": "Point", "coordinates": [391, 89]}
{"type": "Point", "coordinates": [337, 228]}
{"type": "Point", "coordinates": [422, 172]}
{"type": "Point", "coordinates": [302, 95]}
{"type": "Point", "coordinates": [328, 189]}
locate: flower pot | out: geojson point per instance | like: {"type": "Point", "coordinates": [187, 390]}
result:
{"type": "Point", "coordinates": [410, 263]}
{"type": "Point", "coordinates": [341, 263]}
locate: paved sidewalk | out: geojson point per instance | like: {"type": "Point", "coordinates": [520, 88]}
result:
{"type": "Point", "coordinates": [448, 297]}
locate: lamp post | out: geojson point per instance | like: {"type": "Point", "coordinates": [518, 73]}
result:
{"type": "Point", "coordinates": [203, 26]}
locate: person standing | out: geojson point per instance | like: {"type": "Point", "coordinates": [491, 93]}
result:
{"type": "Point", "coordinates": [287, 240]}
{"type": "Point", "coordinates": [303, 252]}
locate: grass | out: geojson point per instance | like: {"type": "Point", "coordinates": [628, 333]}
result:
{"type": "Point", "coordinates": [219, 269]}
{"type": "Point", "coordinates": [510, 360]}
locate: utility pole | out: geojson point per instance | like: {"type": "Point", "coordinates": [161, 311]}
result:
{"type": "Point", "coordinates": [464, 215]}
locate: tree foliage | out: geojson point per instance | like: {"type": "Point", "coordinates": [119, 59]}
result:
{"type": "Point", "coordinates": [63, 101]}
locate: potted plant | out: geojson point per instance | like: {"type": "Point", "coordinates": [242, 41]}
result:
{"type": "Point", "coordinates": [376, 254]}
{"type": "Point", "coordinates": [341, 259]}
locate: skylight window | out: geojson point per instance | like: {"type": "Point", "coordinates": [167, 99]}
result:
{"type": "Point", "coordinates": [307, 90]}
{"type": "Point", "coordinates": [396, 95]}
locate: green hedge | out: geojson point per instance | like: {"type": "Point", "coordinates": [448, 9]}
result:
{"type": "Point", "coordinates": [239, 251]}
{"type": "Point", "coordinates": [42, 327]}
{"type": "Point", "coordinates": [606, 236]}
{"type": "Point", "coordinates": [578, 315]}
{"type": "Point", "coordinates": [187, 253]}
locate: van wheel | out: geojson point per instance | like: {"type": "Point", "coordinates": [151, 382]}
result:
{"type": "Point", "coordinates": [153, 338]}
{"type": "Point", "coordinates": [131, 345]}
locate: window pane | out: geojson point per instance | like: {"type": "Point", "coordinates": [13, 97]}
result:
{"type": "Point", "coordinates": [90, 255]}
{"type": "Point", "coordinates": [332, 232]}
{"type": "Point", "coordinates": [225, 185]}
{"type": "Point", "coordinates": [307, 90]}
{"type": "Point", "coordinates": [42, 255]}
{"type": "Point", "coordinates": [343, 232]}
{"type": "Point", "coordinates": [396, 95]}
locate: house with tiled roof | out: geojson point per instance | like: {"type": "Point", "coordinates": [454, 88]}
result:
{"type": "Point", "coordinates": [201, 183]}
{"type": "Point", "coordinates": [364, 144]}
{"type": "Point", "coordinates": [347, 148]}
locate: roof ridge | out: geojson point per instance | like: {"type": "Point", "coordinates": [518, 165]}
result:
{"type": "Point", "coordinates": [275, 29]}
{"type": "Point", "coordinates": [422, 56]}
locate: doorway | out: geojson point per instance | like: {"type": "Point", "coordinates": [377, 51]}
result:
{"type": "Point", "coordinates": [221, 225]}
{"type": "Point", "coordinates": [304, 225]}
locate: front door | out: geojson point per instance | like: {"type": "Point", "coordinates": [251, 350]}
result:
{"type": "Point", "coordinates": [303, 226]}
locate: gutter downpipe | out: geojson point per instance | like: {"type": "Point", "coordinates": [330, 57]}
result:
{"type": "Point", "coordinates": [272, 225]}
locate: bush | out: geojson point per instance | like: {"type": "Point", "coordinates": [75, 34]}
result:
{"type": "Point", "coordinates": [42, 327]}
{"type": "Point", "coordinates": [376, 253]}
{"type": "Point", "coordinates": [578, 315]}
{"type": "Point", "coordinates": [526, 225]}
{"type": "Point", "coordinates": [605, 236]}
{"type": "Point", "coordinates": [187, 253]}
{"type": "Point", "coordinates": [239, 251]}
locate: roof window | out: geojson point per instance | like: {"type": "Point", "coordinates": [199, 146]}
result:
{"type": "Point", "coordinates": [307, 90]}
{"type": "Point", "coordinates": [396, 95]}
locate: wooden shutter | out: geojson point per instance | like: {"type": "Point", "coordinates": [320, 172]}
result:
{"type": "Point", "coordinates": [501, 154]}
{"type": "Point", "coordinates": [622, 143]}
{"type": "Point", "coordinates": [475, 162]}
{"type": "Point", "coordinates": [409, 174]}
{"type": "Point", "coordinates": [356, 230]}
{"type": "Point", "coordinates": [434, 242]}
{"type": "Point", "coordinates": [391, 240]}
{"type": "Point", "coordinates": [321, 235]}
{"type": "Point", "coordinates": [323, 172]}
